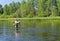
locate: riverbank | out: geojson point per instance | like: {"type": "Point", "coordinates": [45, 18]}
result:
{"type": "Point", "coordinates": [30, 18]}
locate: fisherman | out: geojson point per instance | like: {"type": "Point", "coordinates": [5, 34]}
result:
{"type": "Point", "coordinates": [16, 23]}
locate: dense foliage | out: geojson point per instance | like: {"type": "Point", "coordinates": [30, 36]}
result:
{"type": "Point", "coordinates": [31, 8]}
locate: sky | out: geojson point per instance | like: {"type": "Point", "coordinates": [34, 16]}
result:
{"type": "Point", "coordinates": [3, 2]}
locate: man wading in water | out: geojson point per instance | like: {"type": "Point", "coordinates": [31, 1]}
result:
{"type": "Point", "coordinates": [16, 23]}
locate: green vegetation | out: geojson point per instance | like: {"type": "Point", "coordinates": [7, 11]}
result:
{"type": "Point", "coordinates": [31, 8]}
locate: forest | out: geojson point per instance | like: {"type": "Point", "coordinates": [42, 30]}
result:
{"type": "Point", "coordinates": [30, 9]}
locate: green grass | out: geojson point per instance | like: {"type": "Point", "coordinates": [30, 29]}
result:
{"type": "Point", "coordinates": [30, 18]}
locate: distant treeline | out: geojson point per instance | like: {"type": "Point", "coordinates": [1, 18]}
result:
{"type": "Point", "coordinates": [31, 8]}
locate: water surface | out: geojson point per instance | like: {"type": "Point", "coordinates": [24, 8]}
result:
{"type": "Point", "coordinates": [31, 31]}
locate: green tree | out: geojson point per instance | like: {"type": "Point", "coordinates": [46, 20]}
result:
{"type": "Point", "coordinates": [18, 14]}
{"type": "Point", "coordinates": [17, 5]}
{"type": "Point", "coordinates": [6, 10]}
{"type": "Point", "coordinates": [30, 8]}
{"type": "Point", "coordinates": [58, 5]}
{"type": "Point", "coordinates": [54, 8]}
{"type": "Point", "coordinates": [13, 7]}
{"type": "Point", "coordinates": [47, 8]}
{"type": "Point", "coordinates": [23, 8]}
{"type": "Point", "coordinates": [1, 9]}
{"type": "Point", "coordinates": [40, 8]}
{"type": "Point", "coordinates": [44, 8]}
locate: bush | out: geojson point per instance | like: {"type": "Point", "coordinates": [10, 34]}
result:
{"type": "Point", "coordinates": [5, 16]}
{"type": "Point", "coordinates": [30, 16]}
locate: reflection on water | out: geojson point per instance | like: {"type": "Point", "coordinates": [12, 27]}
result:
{"type": "Point", "coordinates": [41, 31]}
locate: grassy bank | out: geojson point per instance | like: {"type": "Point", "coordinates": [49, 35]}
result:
{"type": "Point", "coordinates": [30, 18]}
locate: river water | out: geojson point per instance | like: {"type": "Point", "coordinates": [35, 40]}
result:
{"type": "Point", "coordinates": [45, 32]}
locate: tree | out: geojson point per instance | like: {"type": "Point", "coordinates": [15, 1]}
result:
{"type": "Point", "coordinates": [23, 8]}
{"type": "Point", "coordinates": [17, 5]}
{"type": "Point", "coordinates": [1, 9]}
{"type": "Point", "coordinates": [40, 8]}
{"type": "Point", "coordinates": [30, 8]}
{"type": "Point", "coordinates": [18, 14]}
{"type": "Point", "coordinates": [47, 8]}
{"type": "Point", "coordinates": [6, 10]}
{"type": "Point", "coordinates": [44, 8]}
{"type": "Point", "coordinates": [13, 7]}
{"type": "Point", "coordinates": [54, 8]}
{"type": "Point", "coordinates": [58, 5]}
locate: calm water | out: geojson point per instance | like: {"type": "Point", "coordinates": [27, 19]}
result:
{"type": "Point", "coordinates": [39, 31]}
